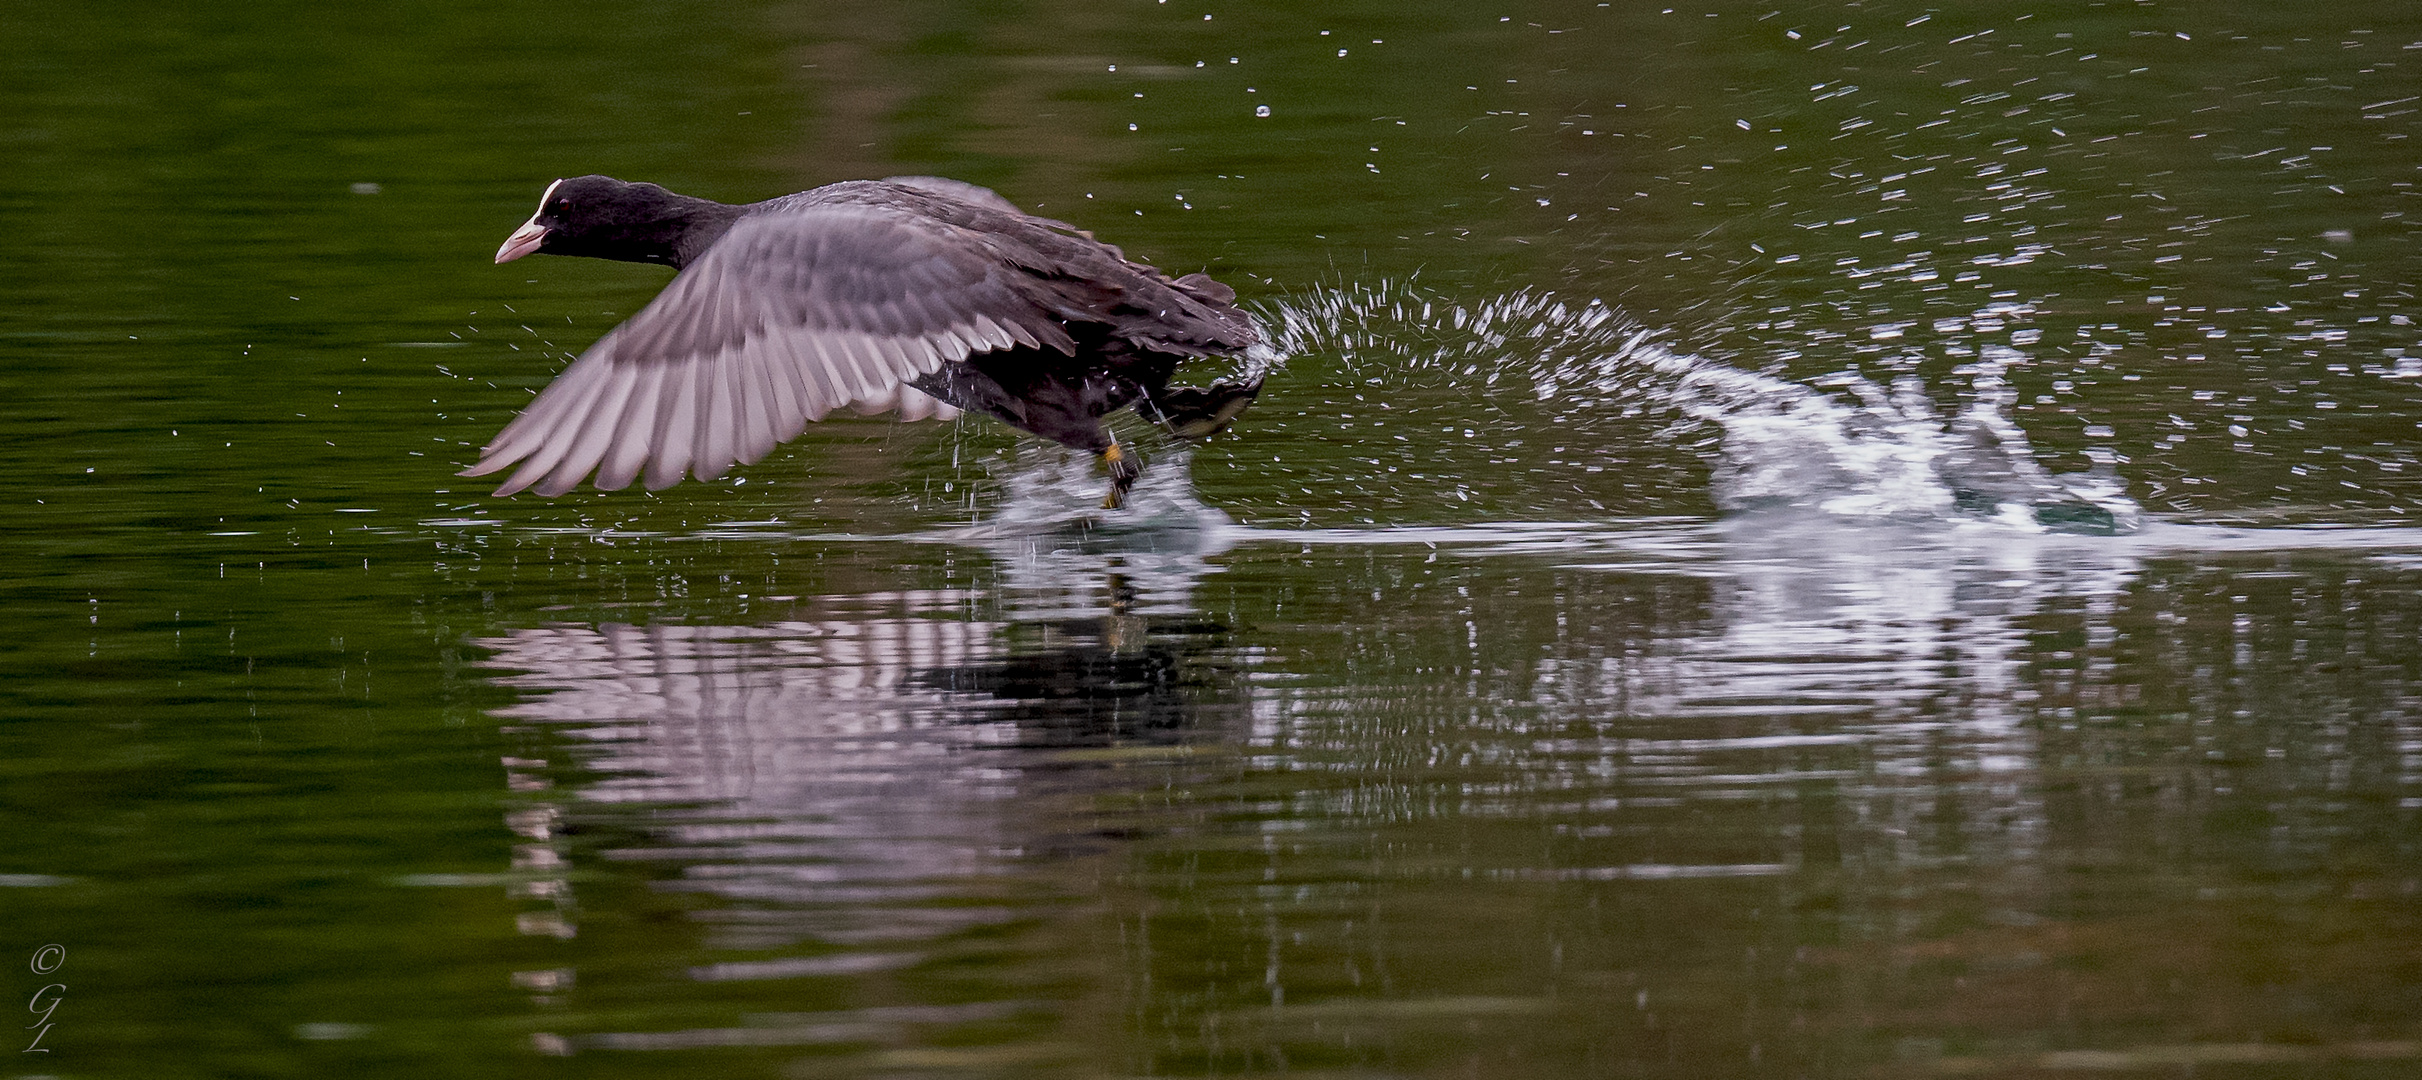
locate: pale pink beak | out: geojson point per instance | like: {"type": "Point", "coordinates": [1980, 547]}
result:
{"type": "Point", "coordinates": [523, 241]}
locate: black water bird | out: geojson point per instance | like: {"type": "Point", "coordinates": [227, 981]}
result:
{"type": "Point", "coordinates": [916, 295]}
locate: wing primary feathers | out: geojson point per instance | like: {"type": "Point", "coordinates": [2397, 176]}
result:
{"type": "Point", "coordinates": [991, 333]}
{"type": "Point", "coordinates": [676, 428]}
{"type": "Point", "coordinates": [507, 448]}
{"type": "Point", "coordinates": [774, 365]}
{"type": "Point", "coordinates": [593, 434]}
{"type": "Point", "coordinates": [891, 360]}
{"type": "Point", "coordinates": [719, 419]}
{"type": "Point", "coordinates": [530, 473]}
{"type": "Point", "coordinates": [552, 417]}
{"type": "Point", "coordinates": [528, 432]}
{"type": "Point", "coordinates": [801, 356]}
{"type": "Point", "coordinates": [948, 345]}
{"type": "Point", "coordinates": [1015, 333]}
{"type": "Point", "coordinates": [924, 355]}
{"type": "Point", "coordinates": [549, 418]}
{"type": "Point", "coordinates": [757, 395]}
{"type": "Point", "coordinates": [874, 360]}
{"type": "Point", "coordinates": [635, 428]}
{"type": "Point", "coordinates": [825, 370]}
{"type": "Point", "coordinates": [858, 352]}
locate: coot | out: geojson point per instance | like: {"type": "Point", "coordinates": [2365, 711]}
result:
{"type": "Point", "coordinates": [916, 295]}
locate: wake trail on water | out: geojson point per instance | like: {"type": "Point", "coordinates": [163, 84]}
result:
{"type": "Point", "coordinates": [1844, 445]}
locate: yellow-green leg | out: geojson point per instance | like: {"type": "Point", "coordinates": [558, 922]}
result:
{"type": "Point", "coordinates": [1123, 471]}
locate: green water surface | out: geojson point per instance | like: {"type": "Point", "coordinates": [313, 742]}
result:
{"type": "Point", "coordinates": [1623, 641]}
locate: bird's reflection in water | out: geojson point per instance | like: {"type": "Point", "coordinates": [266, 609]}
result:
{"type": "Point", "coordinates": [883, 785]}
{"type": "Point", "coordinates": [1105, 644]}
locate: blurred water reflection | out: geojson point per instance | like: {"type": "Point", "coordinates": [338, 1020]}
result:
{"type": "Point", "coordinates": [1762, 792]}
{"type": "Point", "coordinates": [865, 787]}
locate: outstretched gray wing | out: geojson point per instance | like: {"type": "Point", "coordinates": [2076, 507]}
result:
{"type": "Point", "coordinates": [787, 317]}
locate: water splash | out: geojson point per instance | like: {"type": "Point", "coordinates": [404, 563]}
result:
{"type": "Point", "coordinates": [1844, 445]}
{"type": "Point", "coordinates": [1852, 447]}
{"type": "Point", "coordinates": [1049, 490]}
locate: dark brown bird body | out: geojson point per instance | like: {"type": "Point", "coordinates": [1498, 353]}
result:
{"type": "Point", "coordinates": [915, 294]}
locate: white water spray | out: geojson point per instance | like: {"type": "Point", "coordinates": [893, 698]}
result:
{"type": "Point", "coordinates": [1843, 445]}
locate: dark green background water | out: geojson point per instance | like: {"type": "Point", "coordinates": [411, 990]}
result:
{"type": "Point", "coordinates": [1790, 541]}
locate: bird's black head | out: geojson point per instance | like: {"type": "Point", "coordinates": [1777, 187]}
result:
{"type": "Point", "coordinates": [605, 218]}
